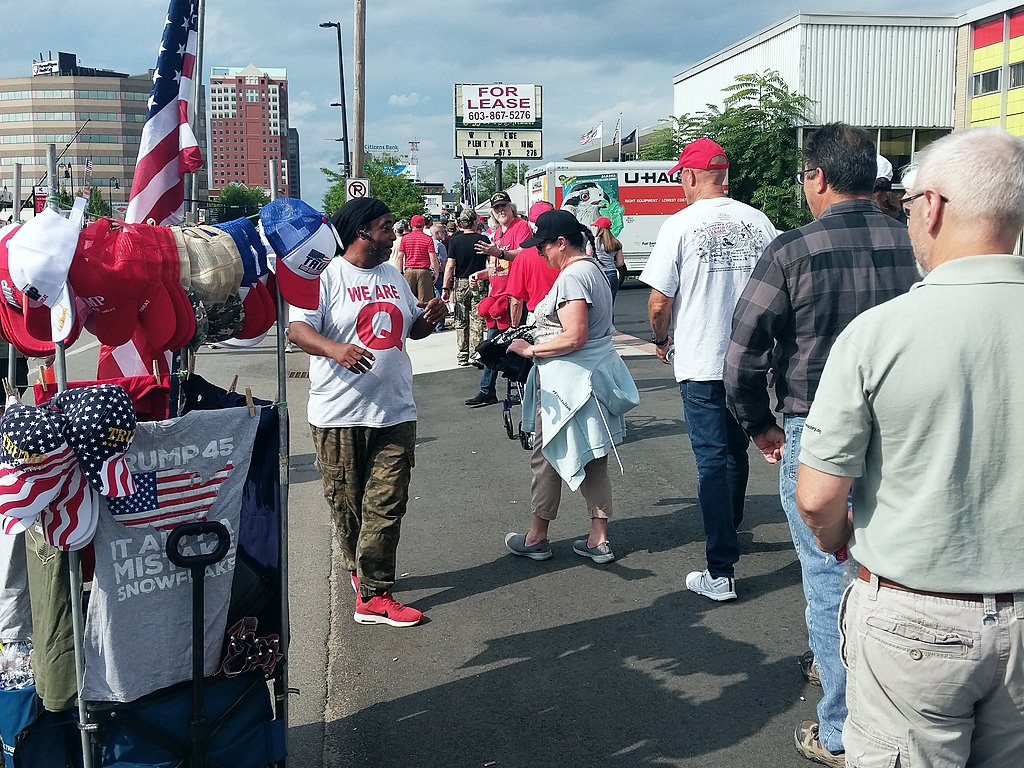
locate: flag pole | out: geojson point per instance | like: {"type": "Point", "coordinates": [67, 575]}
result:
{"type": "Point", "coordinates": [194, 103]}
{"type": "Point", "coordinates": [618, 132]}
{"type": "Point", "coordinates": [601, 134]}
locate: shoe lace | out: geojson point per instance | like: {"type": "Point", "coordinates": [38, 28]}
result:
{"type": "Point", "coordinates": [389, 602]}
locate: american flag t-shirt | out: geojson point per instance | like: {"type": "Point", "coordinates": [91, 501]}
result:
{"type": "Point", "coordinates": [169, 497]}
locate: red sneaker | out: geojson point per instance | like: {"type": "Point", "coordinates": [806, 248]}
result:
{"type": "Point", "coordinates": [354, 580]}
{"type": "Point", "coordinates": [384, 609]}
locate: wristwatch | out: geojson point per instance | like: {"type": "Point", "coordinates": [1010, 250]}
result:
{"type": "Point", "coordinates": [659, 342]}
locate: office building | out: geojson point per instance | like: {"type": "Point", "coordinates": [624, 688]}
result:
{"type": "Point", "coordinates": [249, 127]}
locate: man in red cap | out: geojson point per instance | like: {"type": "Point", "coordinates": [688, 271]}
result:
{"type": "Point", "coordinates": [417, 260]}
{"type": "Point", "coordinates": [701, 261]}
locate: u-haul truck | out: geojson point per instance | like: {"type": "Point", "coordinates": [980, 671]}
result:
{"type": "Point", "coordinates": [637, 196]}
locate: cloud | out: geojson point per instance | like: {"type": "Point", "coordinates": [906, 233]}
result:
{"type": "Point", "coordinates": [301, 107]}
{"type": "Point", "coordinates": [406, 99]}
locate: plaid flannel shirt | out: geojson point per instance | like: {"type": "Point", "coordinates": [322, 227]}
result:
{"type": "Point", "coordinates": [805, 289]}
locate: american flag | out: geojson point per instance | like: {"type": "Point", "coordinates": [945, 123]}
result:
{"type": "Point", "coordinates": [169, 148]}
{"type": "Point", "coordinates": [168, 151]}
{"type": "Point", "coordinates": [588, 137]}
{"type": "Point", "coordinates": [168, 497]}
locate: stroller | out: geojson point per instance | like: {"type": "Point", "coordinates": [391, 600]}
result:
{"type": "Point", "coordinates": [494, 354]}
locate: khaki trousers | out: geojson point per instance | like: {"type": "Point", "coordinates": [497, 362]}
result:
{"type": "Point", "coordinates": [546, 487]}
{"type": "Point", "coordinates": [932, 682]}
{"type": "Point", "coordinates": [421, 282]}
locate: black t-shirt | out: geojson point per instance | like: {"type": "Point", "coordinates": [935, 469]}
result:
{"type": "Point", "coordinates": [462, 249]}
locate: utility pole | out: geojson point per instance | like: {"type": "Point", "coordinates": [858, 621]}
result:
{"type": "Point", "coordinates": [359, 95]}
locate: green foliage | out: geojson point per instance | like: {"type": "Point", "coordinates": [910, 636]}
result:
{"type": "Point", "coordinates": [64, 198]}
{"type": "Point", "coordinates": [661, 146]}
{"type": "Point", "coordinates": [403, 197]}
{"type": "Point", "coordinates": [97, 206]}
{"type": "Point", "coordinates": [756, 128]}
{"type": "Point", "coordinates": [236, 201]}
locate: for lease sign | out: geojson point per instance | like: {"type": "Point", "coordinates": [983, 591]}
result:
{"type": "Point", "coordinates": [498, 104]}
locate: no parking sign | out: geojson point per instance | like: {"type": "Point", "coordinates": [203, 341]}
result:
{"type": "Point", "coordinates": [356, 188]}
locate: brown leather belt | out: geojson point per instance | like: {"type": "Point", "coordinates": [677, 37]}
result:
{"type": "Point", "coordinates": [865, 575]}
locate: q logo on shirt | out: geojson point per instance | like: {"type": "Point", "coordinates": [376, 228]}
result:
{"type": "Point", "coordinates": [385, 338]}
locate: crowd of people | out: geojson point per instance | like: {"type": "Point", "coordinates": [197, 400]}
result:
{"type": "Point", "coordinates": [885, 334]}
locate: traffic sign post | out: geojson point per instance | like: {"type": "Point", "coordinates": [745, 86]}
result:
{"type": "Point", "coordinates": [356, 188]}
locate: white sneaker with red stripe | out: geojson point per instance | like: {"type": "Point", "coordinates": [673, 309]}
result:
{"type": "Point", "coordinates": [384, 609]}
{"type": "Point", "coordinates": [354, 580]}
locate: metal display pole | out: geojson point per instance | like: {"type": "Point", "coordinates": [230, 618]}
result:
{"type": "Point", "coordinates": [283, 457]}
{"type": "Point", "coordinates": [17, 193]}
{"type": "Point", "coordinates": [194, 103]}
{"type": "Point", "coordinates": [12, 363]}
{"type": "Point", "coordinates": [74, 558]}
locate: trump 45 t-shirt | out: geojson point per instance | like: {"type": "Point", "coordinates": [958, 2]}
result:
{"type": "Point", "coordinates": [373, 309]}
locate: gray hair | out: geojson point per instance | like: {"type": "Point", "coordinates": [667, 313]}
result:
{"type": "Point", "coordinates": [981, 171]}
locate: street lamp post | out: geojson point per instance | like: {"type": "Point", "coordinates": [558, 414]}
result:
{"type": "Point", "coordinates": [112, 185]}
{"type": "Point", "coordinates": [344, 109]}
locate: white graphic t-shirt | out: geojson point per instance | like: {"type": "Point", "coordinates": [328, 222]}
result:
{"type": "Point", "coordinates": [374, 309]}
{"type": "Point", "coordinates": [703, 257]}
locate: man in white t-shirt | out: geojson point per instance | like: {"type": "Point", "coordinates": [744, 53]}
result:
{"type": "Point", "coordinates": [700, 263]}
{"type": "Point", "coordinates": [361, 412]}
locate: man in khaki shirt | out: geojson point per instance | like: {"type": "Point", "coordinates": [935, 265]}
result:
{"type": "Point", "coordinates": [922, 400]}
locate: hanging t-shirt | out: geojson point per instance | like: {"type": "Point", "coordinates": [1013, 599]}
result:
{"type": "Point", "coordinates": [703, 257]}
{"type": "Point", "coordinates": [138, 635]}
{"type": "Point", "coordinates": [373, 309]}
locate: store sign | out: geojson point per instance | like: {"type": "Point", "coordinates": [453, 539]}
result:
{"type": "Point", "coordinates": [485, 112]}
{"type": "Point", "coordinates": [499, 104]}
{"type": "Point", "coordinates": [473, 143]}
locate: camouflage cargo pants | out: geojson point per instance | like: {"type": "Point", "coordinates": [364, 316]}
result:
{"type": "Point", "coordinates": [366, 473]}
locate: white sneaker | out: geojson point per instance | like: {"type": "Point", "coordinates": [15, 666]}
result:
{"type": "Point", "coordinates": [703, 583]}
{"type": "Point", "coordinates": [288, 347]}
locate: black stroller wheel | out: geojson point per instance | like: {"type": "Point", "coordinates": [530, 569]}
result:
{"type": "Point", "coordinates": [506, 419]}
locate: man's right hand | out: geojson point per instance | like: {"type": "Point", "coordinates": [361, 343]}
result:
{"type": "Point", "coordinates": [356, 359]}
{"type": "Point", "coordinates": [771, 443]}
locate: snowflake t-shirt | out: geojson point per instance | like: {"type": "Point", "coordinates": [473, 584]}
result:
{"type": "Point", "coordinates": [138, 630]}
{"type": "Point", "coordinates": [703, 257]}
{"type": "Point", "coordinates": [373, 309]}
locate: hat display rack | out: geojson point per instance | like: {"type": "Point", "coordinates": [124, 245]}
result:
{"type": "Point", "coordinates": [182, 362]}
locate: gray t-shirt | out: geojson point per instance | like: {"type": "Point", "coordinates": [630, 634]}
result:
{"type": "Point", "coordinates": [138, 631]}
{"type": "Point", "coordinates": [584, 280]}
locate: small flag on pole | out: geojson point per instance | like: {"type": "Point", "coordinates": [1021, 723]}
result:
{"type": "Point", "coordinates": [630, 139]}
{"type": "Point", "coordinates": [589, 136]}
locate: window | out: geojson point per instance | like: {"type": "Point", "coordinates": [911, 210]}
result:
{"type": "Point", "coordinates": [985, 82]}
{"type": "Point", "coordinates": [1017, 75]}
{"type": "Point", "coordinates": [252, 96]}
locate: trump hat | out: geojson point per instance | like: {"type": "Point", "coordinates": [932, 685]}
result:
{"type": "Point", "coordinates": [700, 155]}
{"type": "Point", "coordinates": [304, 242]}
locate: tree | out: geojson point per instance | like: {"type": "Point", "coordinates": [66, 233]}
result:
{"type": "Point", "coordinates": [97, 206]}
{"type": "Point", "coordinates": [756, 127]}
{"type": "Point", "coordinates": [395, 190]}
{"type": "Point", "coordinates": [660, 146]}
{"type": "Point", "coordinates": [236, 201]}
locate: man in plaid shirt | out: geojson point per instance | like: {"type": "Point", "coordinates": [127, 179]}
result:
{"type": "Point", "coordinates": [805, 289]}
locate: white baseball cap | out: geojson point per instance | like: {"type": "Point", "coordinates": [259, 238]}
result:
{"type": "Point", "coordinates": [40, 255]}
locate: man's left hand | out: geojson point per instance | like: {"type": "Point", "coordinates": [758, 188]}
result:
{"type": "Point", "coordinates": [434, 311]}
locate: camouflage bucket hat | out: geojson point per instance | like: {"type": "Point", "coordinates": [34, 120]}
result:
{"type": "Point", "coordinates": [226, 319]}
{"type": "Point", "coordinates": [202, 321]}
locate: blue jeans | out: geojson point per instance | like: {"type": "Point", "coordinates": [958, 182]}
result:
{"type": "Point", "coordinates": [822, 577]}
{"type": "Point", "coordinates": [720, 449]}
{"type": "Point", "coordinates": [489, 380]}
{"type": "Point", "coordinates": [613, 281]}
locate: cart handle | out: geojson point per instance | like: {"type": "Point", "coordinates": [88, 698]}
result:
{"type": "Point", "coordinates": [218, 529]}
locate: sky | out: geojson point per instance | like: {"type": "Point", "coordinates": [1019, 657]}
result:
{"type": "Point", "coordinates": [594, 59]}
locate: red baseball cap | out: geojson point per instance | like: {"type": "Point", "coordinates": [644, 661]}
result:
{"type": "Point", "coordinates": [541, 206]}
{"type": "Point", "coordinates": [108, 273]}
{"type": "Point", "coordinates": [603, 221]}
{"type": "Point", "coordinates": [417, 221]}
{"type": "Point", "coordinates": [699, 155]}
{"type": "Point", "coordinates": [12, 303]}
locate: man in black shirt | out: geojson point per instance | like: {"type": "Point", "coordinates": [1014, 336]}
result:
{"type": "Point", "coordinates": [463, 261]}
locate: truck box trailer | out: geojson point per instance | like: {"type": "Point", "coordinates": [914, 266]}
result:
{"type": "Point", "coordinates": [637, 197]}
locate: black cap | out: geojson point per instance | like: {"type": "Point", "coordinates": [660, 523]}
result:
{"type": "Point", "coordinates": [552, 225]}
{"type": "Point", "coordinates": [500, 198]}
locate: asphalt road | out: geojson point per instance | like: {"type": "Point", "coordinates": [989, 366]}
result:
{"type": "Point", "coordinates": [523, 663]}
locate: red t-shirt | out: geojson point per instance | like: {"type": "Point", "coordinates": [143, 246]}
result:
{"type": "Point", "coordinates": [511, 238]}
{"type": "Point", "coordinates": [417, 247]}
{"type": "Point", "coordinates": [530, 278]}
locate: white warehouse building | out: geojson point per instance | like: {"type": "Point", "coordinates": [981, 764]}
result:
{"type": "Point", "coordinates": [893, 75]}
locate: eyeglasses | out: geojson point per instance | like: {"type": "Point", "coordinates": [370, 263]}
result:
{"type": "Point", "coordinates": [801, 175]}
{"type": "Point", "coordinates": [906, 201]}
